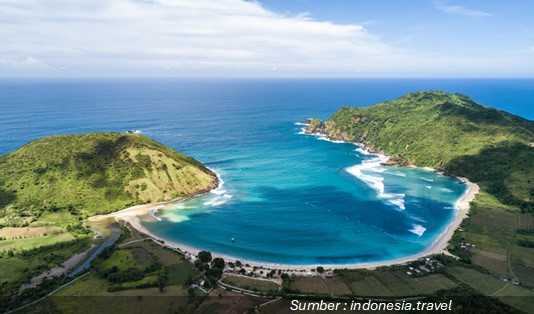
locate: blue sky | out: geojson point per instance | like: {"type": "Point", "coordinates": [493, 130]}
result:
{"type": "Point", "coordinates": [267, 38]}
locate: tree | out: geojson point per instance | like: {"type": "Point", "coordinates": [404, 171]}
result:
{"type": "Point", "coordinates": [238, 264]}
{"type": "Point", "coordinates": [204, 256]}
{"type": "Point", "coordinates": [320, 269]}
{"type": "Point", "coordinates": [217, 263]}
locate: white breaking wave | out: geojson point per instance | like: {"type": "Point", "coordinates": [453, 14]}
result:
{"type": "Point", "coordinates": [446, 190]}
{"type": "Point", "coordinates": [363, 151]}
{"type": "Point", "coordinates": [154, 212]}
{"type": "Point", "coordinates": [418, 230]}
{"type": "Point", "coordinates": [219, 195]}
{"type": "Point", "coordinates": [399, 202]}
{"type": "Point", "coordinates": [429, 180]}
{"type": "Point", "coordinates": [428, 186]}
{"type": "Point", "coordinates": [448, 207]}
{"type": "Point", "coordinates": [218, 192]}
{"type": "Point", "coordinates": [418, 218]}
{"type": "Point", "coordinates": [397, 173]}
{"type": "Point", "coordinates": [369, 172]}
{"type": "Point", "coordinates": [324, 138]}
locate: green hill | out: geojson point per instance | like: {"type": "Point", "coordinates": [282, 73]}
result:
{"type": "Point", "coordinates": [450, 132]}
{"type": "Point", "coordinates": [94, 173]}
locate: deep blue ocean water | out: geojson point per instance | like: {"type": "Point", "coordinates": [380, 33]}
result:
{"type": "Point", "coordinates": [287, 197]}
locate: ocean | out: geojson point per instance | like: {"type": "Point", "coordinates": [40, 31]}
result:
{"type": "Point", "coordinates": [287, 197]}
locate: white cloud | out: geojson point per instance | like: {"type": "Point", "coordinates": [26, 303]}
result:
{"type": "Point", "coordinates": [459, 9]}
{"type": "Point", "coordinates": [28, 63]}
{"type": "Point", "coordinates": [179, 35]}
{"type": "Point", "coordinates": [200, 37]}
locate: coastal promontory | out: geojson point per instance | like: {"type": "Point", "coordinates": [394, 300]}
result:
{"type": "Point", "coordinates": [87, 174]}
{"type": "Point", "coordinates": [448, 132]}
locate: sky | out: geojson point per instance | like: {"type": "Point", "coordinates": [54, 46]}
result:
{"type": "Point", "coordinates": [266, 38]}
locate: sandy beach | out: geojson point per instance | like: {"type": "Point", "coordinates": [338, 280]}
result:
{"type": "Point", "coordinates": [136, 214]}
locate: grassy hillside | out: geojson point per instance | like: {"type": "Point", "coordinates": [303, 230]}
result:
{"type": "Point", "coordinates": [87, 174]}
{"type": "Point", "coordinates": [446, 131]}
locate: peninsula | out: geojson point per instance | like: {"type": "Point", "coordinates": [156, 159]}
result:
{"type": "Point", "coordinates": [49, 187]}
{"type": "Point", "coordinates": [446, 132]}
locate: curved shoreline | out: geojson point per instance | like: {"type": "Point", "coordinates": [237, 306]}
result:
{"type": "Point", "coordinates": [136, 214]}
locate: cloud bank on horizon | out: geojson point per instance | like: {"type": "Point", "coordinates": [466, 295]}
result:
{"type": "Point", "coordinates": [216, 38]}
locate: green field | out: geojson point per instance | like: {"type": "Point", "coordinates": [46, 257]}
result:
{"type": "Point", "coordinates": [494, 262]}
{"type": "Point", "coordinates": [35, 242]}
{"type": "Point", "coordinates": [122, 259]}
{"type": "Point", "coordinates": [177, 274]}
{"type": "Point", "coordinates": [517, 297]}
{"type": "Point", "coordinates": [250, 283]}
{"type": "Point", "coordinates": [338, 287]}
{"type": "Point", "coordinates": [486, 284]}
{"type": "Point", "coordinates": [315, 285]}
{"type": "Point", "coordinates": [91, 293]}
{"type": "Point", "coordinates": [165, 256]}
{"type": "Point", "coordinates": [392, 283]}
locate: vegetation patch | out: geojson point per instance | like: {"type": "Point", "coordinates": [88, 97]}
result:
{"type": "Point", "coordinates": [30, 243]}
{"type": "Point", "coordinates": [87, 174]}
{"type": "Point", "coordinates": [450, 132]}
{"type": "Point", "coordinates": [251, 284]}
{"type": "Point", "coordinates": [310, 285]}
{"type": "Point", "coordinates": [484, 283]}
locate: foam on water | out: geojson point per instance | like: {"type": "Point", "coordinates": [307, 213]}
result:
{"type": "Point", "coordinates": [219, 195]}
{"type": "Point", "coordinates": [416, 218]}
{"type": "Point", "coordinates": [418, 230]}
{"type": "Point", "coordinates": [302, 131]}
{"type": "Point", "coordinates": [369, 172]}
{"type": "Point", "coordinates": [397, 173]}
{"type": "Point", "coordinates": [429, 180]}
{"type": "Point", "coordinates": [155, 211]}
{"type": "Point", "coordinates": [324, 138]}
{"type": "Point", "coordinates": [172, 217]}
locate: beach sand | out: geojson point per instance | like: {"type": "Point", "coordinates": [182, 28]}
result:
{"type": "Point", "coordinates": [136, 214]}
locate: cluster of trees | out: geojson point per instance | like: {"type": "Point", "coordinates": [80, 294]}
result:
{"type": "Point", "coordinates": [525, 243]}
{"type": "Point", "coordinates": [119, 276]}
{"type": "Point", "coordinates": [79, 231]}
{"type": "Point", "coordinates": [212, 268]}
{"type": "Point", "coordinates": [115, 276]}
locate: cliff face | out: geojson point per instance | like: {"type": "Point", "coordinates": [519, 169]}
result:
{"type": "Point", "coordinates": [442, 131]}
{"type": "Point", "coordinates": [95, 173]}
{"type": "Point", "coordinates": [315, 126]}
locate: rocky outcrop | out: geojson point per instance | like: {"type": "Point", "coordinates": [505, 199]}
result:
{"type": "Point", "coordinates": [315, 127]}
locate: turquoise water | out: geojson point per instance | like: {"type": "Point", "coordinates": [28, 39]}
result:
{"type": "Point", "coordinates": [287, 197]}
{"type": "Point", "coordinates": [299, 199]}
